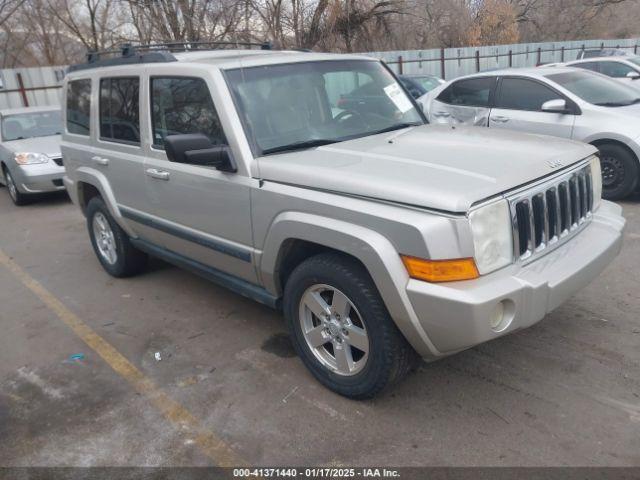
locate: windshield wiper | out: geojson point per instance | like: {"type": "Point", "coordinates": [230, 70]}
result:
{"type": "Point", "coordinates": [398, 126]}
{"type": "Point", "coordinates": [318, 142]}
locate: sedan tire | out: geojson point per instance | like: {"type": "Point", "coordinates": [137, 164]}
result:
{"type": "Point", "coordinates": [620, 171]}
{"type": "Point", "coordinates": [19, 199]}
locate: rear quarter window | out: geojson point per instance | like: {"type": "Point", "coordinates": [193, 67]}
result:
{"type": "Point", "coordinates": [79, 106]}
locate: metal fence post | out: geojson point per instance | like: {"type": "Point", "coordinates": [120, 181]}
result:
{"type": "Point", "coordinates": [400, 65]}
{"type": "Point", "coordinates": [539, 56]}
{"type": "Point", "coordinates": [510, 58]}
{"type": "Point", "coordinates": [443, 70]}
{"type": "Point", "coordinates": [23, 92]}
{"type": "Point", "coordinates": [635, 49]}
{"type": "Point", "coordinates": [562, 54]}
{"type": "Point", "coordinates": [477, 60]}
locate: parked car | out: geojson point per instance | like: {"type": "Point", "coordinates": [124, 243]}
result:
{"type": "Point", "coordinates": [418, 85]}
{"type": "Point", "coordinates": [563, 102]}
{"type": "Point", "coordinates": [381, 238]}
{"type": "Point", "coordinates": [30, 159]}
{"type": "Point", "coordinates": [603, 52]}
{"type": "Point", "coordinates": [623, 69]}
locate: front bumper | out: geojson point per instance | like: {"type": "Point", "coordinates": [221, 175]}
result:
{"type": "Point", "coordinates": [457, 315]}
{"type": "Point", "coordinates": [39, 178]}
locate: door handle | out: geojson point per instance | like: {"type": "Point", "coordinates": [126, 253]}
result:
{"type": "Point", "coordinates": [157, 174]}
{"type": "Point", "coordinates": [441, 114]}
{"type": "Point", "coordinates": [500, 119]}
{"type": "Point", "coordinates": [100, 160]}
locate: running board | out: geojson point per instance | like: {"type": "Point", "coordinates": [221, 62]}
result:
{"type": "Point", "coordinates": [233, 283]}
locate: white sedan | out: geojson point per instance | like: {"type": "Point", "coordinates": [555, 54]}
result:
{"type": "Point", "coordinates": [622, 69]}
{"type": "Point", "coordinates": [559, 101]}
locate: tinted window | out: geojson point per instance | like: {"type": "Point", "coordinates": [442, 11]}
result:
{"type": "Point", "coordinates": [593, 66]}
{"type": "Point", "coordinates": [183, 105]}
{"type": "Point", "coordinates": [119, 109]}
{"type": "Point", "coordinates": [78, 106]}
{"type": "Point", "coordinates": [522, 94]}
{"type": "Point", "coordinates": [596, 89]}
{"type": "Point", "coordinates": [615, 69]}
{"type": "Point", "coordinates": [474, 92]}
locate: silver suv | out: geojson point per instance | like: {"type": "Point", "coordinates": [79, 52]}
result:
{"type": "Point", "coordinates": [311, 183]}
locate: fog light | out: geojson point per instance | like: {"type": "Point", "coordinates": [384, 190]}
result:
{"type": "Point", "coordinates": [502, 315]}
{"type": "Point", "coordinates": [496, 316]}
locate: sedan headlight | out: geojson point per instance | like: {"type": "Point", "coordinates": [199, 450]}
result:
{"type": "Point", "coordinates": [596, 182]}
{"type": "Point", "coordinates": [492, 236]}
{"type": "Point", "coordinates": [26, 158]}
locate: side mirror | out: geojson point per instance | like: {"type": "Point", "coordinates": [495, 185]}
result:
{"type": "Point", "coordinates": [633, 75]}
{"type": "Point", "coordinates": [555, 106]}
{"type": "Point", "coordinates": [197, 149]}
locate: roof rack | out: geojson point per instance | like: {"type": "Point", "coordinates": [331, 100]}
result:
{"type": "Point", "coordinates": [155, 52]}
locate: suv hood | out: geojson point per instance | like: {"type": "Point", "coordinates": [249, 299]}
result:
{"type": "Point", "coordinates": [49, 145]}
{"type": "Point", "coordinates": [434, 166]}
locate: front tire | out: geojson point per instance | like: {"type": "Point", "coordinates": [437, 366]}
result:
{"type": "Point", "coordinates": [19, 199]}
{"type": "Point", "coordinates": [620, 171]}
{"type": "Point", "coordinates": [111, 244]}
{"type": "Point", "coordinates": [341, 328]}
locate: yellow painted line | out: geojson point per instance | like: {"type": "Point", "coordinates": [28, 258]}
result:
{"type": "Point", "coordinates": [209, 443]}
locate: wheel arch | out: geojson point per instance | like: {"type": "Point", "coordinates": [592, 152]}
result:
{"type": "Point", "coordinates": [292, 233]}
{"type": "Point", "coordinates": [91, 183]}
{"type": "Point", "coordinates": [611, 141]}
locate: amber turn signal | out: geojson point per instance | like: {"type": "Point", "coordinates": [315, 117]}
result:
{"type": "Point", "coordinates": [441, 270]}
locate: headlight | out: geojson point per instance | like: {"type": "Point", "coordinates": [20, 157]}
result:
{"type": "Point", "coordinates": [30, 158]}
{"type": "Point", "coordinates": [492, 236]}
{"type": "Point", "coordinates": [596, 181]}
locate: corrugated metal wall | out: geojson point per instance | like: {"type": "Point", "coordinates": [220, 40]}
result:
{"type": "Point", "coordinates": [41, 86]}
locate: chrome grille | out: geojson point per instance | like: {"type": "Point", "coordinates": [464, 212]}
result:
{"type": "Point", "coordinates": [546, 215]}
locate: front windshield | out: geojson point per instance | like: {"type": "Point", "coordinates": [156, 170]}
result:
{"type": "Point", "coordinates": [30, 125]}
{"type": "Point", "coordinates": [301, 105]}
{"type": "Point", "coordinates": [596, 89]}
{"type": "Point", "coordinates": [635, 60]}
{"type": "Point", "coordinates": [428, 83]}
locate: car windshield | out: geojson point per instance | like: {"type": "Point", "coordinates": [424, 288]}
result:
{"type": "Point", "coordinates": [30, 125]}
{"type": "Point", "coordinates": [428, 83]}
{"type": "Point", "coordinates": [596, 89]}
{"type": "Point", "coordinates": [635, 60]}
{"type": "Point", "coordinates": [302, 105]}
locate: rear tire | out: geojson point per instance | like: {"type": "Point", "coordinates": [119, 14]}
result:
{"type": "Point", "coordinates": [19, 199]}
{"type": "Point", "coordinates": [620, 171]}
{"type": "Point", "coordinates": [111, 244]}
{"type": "Point", "coordinates": [356, 354]}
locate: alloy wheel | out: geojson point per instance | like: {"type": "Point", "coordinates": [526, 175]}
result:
{"type": "Point", "coordinates": [105, 239]}
{"type": "Point", "coordinates": [334, 330]}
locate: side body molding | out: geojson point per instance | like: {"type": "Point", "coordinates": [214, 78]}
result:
{"type": "Point", "coordinates": [375, 252]}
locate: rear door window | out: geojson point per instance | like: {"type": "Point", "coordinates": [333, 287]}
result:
{"type": "Point", "coordinates": [474, 92]}
{"type": "Point", "coordinates": [79, 106]}
{"type": "Point", "coordinates": [523, 94]}
{"type": "Point", "coordinates": [120, 110]}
